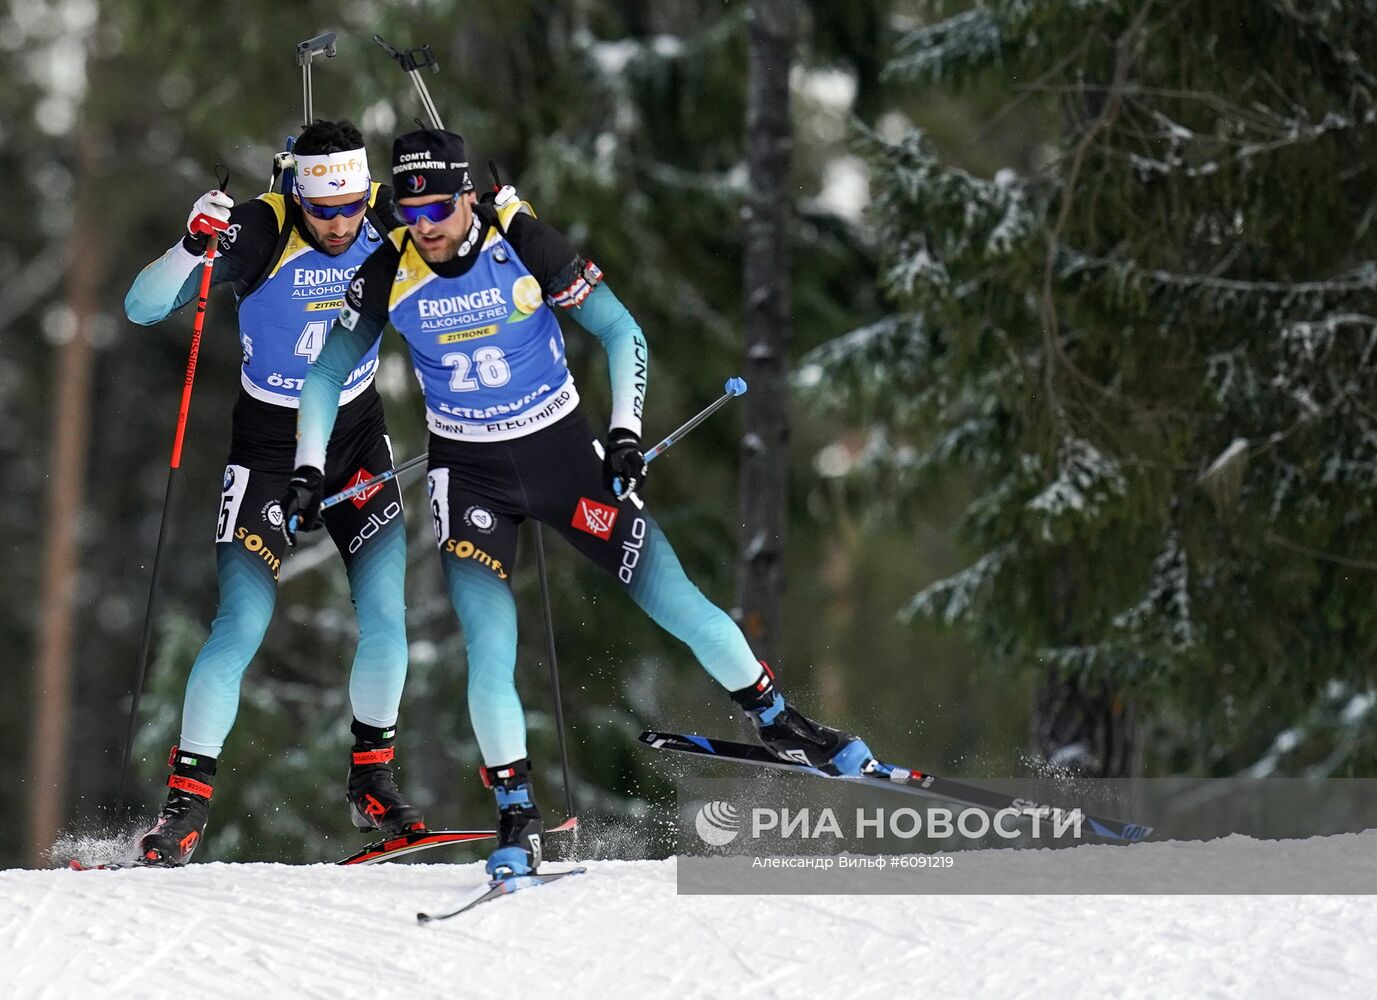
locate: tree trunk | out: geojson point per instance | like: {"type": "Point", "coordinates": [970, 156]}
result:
{"type": "Point", "coordinates": [765, 447]}
{"type": "Point", "coordinates": [70, 401]}
{"type": "Point", "coordinates": [1082, 725]}
{"type": "Point", "coordinates": [1085, 729]}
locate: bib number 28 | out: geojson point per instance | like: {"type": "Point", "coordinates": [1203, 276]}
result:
{"type": "Point", "coordinates": [487, 366]}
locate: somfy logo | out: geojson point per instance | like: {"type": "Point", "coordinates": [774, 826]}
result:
{"type": "Point", "coordinates": [717, 823]}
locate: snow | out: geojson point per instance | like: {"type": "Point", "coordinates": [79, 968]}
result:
{"type": "Point", "coordinates": [830, 87]}
{"type": "Point", "coordinates": [221, 930]}
{"type": "Point", "coordinates": [613, 57]}
{"type": "Point", "coordinates": [845, 188]}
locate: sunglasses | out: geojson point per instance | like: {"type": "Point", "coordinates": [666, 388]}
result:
{"type": "Point", "coordinates": [350, 210]}
{"type": "Point", "coordinates": [436, 211]}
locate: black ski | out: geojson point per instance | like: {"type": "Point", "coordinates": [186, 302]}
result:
{"type": "Point", "coordinates": [896, 779]}
{"type": "Point", "coordinates": [497, 888]}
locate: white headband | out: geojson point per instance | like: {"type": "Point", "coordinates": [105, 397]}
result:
{"type": "Point", "coordinates": [323, 174]}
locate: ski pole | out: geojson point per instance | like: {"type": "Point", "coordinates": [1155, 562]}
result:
{"type": "Point", "coordinates": [735, 386]}
{"type": "Point", "coordinates": [571, 812]}
{"type": "Point", "coordinates": [322, 44]}
{"type": "Point", "coordinates": [412, 62]}
{"type": "Point", "coordinates": [368, 484]}
{"type": "Point", "coordinates": [211, 230]}
{"type": "Point", "coordinates": [364, 486]}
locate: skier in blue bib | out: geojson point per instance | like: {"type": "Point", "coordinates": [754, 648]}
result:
{"type": "Point", "coordinates": [289, 258]}
{"type": "Point", "coordinates": [473, 287]}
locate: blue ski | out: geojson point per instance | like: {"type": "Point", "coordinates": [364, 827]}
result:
{"type": "Point", "coordinates": [496, 888]}
{"type": "Point", "coordinates": [898, 779]}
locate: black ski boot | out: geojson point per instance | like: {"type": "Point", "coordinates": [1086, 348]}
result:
{"type": "Point", "coordinates": [519, 826]}
{"type": "Point", "coordinates": [790, 735]}
{"type": "Point", "coordinates": [177, 831]}
{"type": "Point", "coordinates": [375, 802]}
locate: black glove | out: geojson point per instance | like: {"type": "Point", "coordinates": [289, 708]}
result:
{"type": "Point", "coordinates": [301, 504]}
{"type": "Point", "coordinates": [623, 463]}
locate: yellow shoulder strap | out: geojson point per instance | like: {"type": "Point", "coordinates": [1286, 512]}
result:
{"type": "Point", "coordinates": [507, 212]}
{"type": "Point", "coordinates": [278, 203]}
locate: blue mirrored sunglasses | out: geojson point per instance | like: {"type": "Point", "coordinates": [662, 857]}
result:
{"type": "Point", "coordinates": [436, 211]}
{"type": "Point", "coordinates": [349, 210]}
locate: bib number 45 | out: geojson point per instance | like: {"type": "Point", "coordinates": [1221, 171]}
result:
{"type": "Point", "coordinates": [488, 366]}
{"type": "Point", "coordinates": [312, 339]}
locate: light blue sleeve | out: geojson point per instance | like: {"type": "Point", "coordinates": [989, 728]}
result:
{"type": "Point", "coordinates": [628, 359]}
{"type": "Point", "coordinates": [164, 286]}
{"type": "Point", "coordinates": [344, 347]}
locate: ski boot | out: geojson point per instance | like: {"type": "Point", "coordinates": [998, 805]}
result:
{"type": "Point", "coordinates": [177, 831]}
{"type": "Point", "coordinates": [518, 820]}
{"type": "Point", "coordinates": [790, 735]}
{"type": "Point", "coordinates": [375, 802]}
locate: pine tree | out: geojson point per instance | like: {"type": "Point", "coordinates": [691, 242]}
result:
{"type": "Point", "coordinates": [1153, 356]}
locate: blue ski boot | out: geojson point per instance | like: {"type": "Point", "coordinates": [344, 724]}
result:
{"type": "Point", "coordinates": [790, 735]}
{"type": "Point", "coordinates": [518, 820]}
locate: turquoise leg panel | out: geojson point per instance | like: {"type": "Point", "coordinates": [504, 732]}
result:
{"type": "Point", "coordinates": [487, 613]}
{"type": "Point", "coordinates": [377, 580]}
{"type": "Point", "coordinates": [665, 592]}
{"type": "Point", "coordinates": [248, 593]}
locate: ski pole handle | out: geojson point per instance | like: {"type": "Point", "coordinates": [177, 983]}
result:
{"type": "Point", "coordinates": [735, 386]}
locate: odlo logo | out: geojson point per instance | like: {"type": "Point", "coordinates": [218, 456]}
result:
{"type": "Point", "coordinates": [631, 552]}
{"type": "Point", "coordinates": [717, 823]}
{"type": "Point", "coordinates": [373, 525]}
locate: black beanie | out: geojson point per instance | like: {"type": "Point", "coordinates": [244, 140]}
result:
{"type": "Point", "coordinates": [429, 161]}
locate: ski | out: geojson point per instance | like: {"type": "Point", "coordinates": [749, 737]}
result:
{"type": "Point", "coordinates": [411, 842]}
{"type": "Point", "coordinates": [383, 850]}
{"type": "Point", "coordinates": [496, 889]}
{"type": "Point", "coordinates": [423, 840]}
{"type": "Point", "coordinates": [896, 779]}
{"type": "Point", "coordinates": [111, 866]}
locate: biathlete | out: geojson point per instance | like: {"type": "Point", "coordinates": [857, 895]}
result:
{"type": "Point", "coordinates": [290, 258]}
{"type": "Point", "coordinates": [473, 286]}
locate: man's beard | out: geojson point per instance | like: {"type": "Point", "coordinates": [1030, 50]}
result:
{"type": "Point", "coordinates": [453, 246]}
{"type": "Point", "coordinates": [438, 253]}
